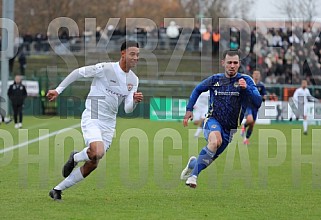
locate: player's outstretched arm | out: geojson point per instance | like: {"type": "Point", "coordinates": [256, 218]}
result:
{"type": "Point", "coordinates": [52, 95]}
{"type": "Point", "coordinates": [188, 115]}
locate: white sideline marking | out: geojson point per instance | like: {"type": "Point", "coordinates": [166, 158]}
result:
{"type": "Point", "coordinates": [37, 139]}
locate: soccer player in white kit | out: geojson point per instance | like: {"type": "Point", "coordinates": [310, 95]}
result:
{"type": "Point", "coordinates": [300, 98]}
{"type": "Point", "coordinates": [112, 84]}
{"type": "Point", "coordinates": [199, 111]}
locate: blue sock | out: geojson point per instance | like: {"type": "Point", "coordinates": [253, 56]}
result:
{"type": "Point", "coordinates": [248, 133]}
{"type": "Point", "coordinates": [205, 158]}
{"type": "Point", "coordinates": [192, 164]}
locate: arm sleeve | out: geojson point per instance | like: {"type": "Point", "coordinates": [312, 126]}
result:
{"type": "Point", "coordinates": [311, 98]}
{"type": "Point", "coordinates": [24, 92]}
{"type": "Point", "coordinates": [129, 104]}
{"type": "Point", "coordinates": [87, 71]}
{"type": "Point", "coordinates": [253, 94]}
{"type": "Point", "coordinates": [9, 92]}
{"type": "Point", "coordinates": [263, 91]}
{"type": "Point", "coordinates": [202, 87]}
{"type": "Point", "coordinates": [295, 97]}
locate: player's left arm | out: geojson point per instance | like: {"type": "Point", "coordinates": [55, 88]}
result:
{"type": "Point", "coordinates": [24, 94]}
{"type": "Point", "coordinates": [133, 99]}
{"type": "Point", "coordinates": [200, 88]}
{"type": "Point", "coordinates": [311, 98]}
{"type": "Point", "coordinates": [251, 91]}
{"type": "Point", "coordinates": [263, 93]}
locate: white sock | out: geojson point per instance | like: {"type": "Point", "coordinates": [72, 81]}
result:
{"type": "Point", "coordinates": [82, 155]}
{"type": "Point", "coordinates": [198, 131]}
{"type": "Point", "coordinates": [75, 177]}
{"type": "Point", "coordinates": [305, 125]}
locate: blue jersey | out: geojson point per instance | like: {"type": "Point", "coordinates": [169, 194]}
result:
{"type": "Point", "coordinates": [227, 100]}
{"type": "Point", "coordinates": [261, 87]}
{"type": "Point", "coordinates": [252, 110]}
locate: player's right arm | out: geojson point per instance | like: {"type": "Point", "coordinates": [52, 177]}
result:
{"type": "Point", "coordinates": [188, 116]}
{"type": "Point", "coordinates": [295, 96]}
{"type": "Point", "coordinates": [202, 87]}
{"type": "Point", "coordinates": [87, 71]}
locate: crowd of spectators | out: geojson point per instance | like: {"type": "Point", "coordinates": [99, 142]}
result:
{"type": "Point", "coordinates": [284, 55]}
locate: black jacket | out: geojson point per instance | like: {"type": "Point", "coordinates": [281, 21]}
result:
{"type": "Point", "coordinates": [17, 93]}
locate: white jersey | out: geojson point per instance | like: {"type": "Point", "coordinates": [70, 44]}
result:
{"type": "Point", "coordinates": [201, 106]}
{"type": "Point", "coordinates": [301, 96]}
{"type": "Point", "coordinates": [110, 87]}
{"type": "Point", "coordinates": [202, 101]}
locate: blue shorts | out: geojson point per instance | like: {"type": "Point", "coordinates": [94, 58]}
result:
{"type": "Point", "coordinates": [251, 111]}
{"type": "Point", "coordinates": [210, 124]}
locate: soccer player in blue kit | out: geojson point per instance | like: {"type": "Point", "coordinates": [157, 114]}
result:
{"type": "Point", "coordinates": [230, 94]}
{"type": "Point", "coordinates": [251, 112]}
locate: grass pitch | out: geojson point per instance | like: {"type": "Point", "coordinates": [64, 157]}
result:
{"type": "Point", "coordinates": [278, 176]}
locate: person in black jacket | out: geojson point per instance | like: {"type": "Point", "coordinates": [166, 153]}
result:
{"type": "Point", "coordinates": [17, 94]}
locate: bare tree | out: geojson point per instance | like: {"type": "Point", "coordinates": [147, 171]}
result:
{"type": "Point", "coordinates": [206, 8]}
{"type": "Point", "coordinates": [305, 9]}
{"type": "Point", "coordinates": [218, 8]}
{"type": "Point", "coordinates": [240, 9]}
{"type": "Point", "coordinates": [308, 8]}
{"type": "Point", "coordinates": [34, 16]}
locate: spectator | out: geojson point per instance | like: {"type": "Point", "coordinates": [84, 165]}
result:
{"type": "Point", "coordinates": [196, 38]}
{"type": "Point", "coordinates": [22, 62]}
{"type": "Point", "coordinates": [172, 32]}
{"type": "Point", "coordinates": [279, 113]}
{"type": "Point", "coordinates": [207, 40]}
{"type": "Point", "coordinates": [17, 93]}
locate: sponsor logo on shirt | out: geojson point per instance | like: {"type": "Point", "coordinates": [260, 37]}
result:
{"type": "Point", "coordinates": [226, 93]}
{"type": "Point", "coordinates": [115, 93]}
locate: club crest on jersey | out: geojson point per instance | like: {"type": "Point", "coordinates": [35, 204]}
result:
{"type": "Point", "coordinates": [236, 84]}
{"type": "Point", "coordinates": [130, 86]}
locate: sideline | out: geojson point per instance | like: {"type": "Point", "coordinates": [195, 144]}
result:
{"type": "Point", "coordinates": [38, 139]}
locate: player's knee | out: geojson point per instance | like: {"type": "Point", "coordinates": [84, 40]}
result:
{"type": "Point", "coordinates": [214, 141]}
{"type": "Point", "coordinates": [96, 151]}
{"type": "Point", "coordinates": [250, 120]}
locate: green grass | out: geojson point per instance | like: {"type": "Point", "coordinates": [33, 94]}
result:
{"type": "Point", "coordinates": [139, 176]}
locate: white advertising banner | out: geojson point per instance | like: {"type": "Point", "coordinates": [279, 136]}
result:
{"type": "Point", "coordinates": [273, 110]}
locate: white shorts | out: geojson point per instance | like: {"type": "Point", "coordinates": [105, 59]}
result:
{"type": "Point", "coordinates": [96, 130]}
{"type": "Point", "coordinates": [199, 114]}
